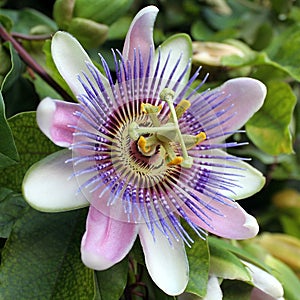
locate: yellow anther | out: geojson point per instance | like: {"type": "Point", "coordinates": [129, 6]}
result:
{"type": "Point", "coordinates": [148, 108]}
{"type": "Point", "coordinates": [142, 143]}
{"type": "Point", "coordinates": [200, 137]}
{"type": "Point", "coordinates": [177, 160]}
{"type": "Point", "coordinates": [182, 107]}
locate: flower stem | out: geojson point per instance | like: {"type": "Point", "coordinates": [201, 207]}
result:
{"type": "Point", "coordinates": [28, 60]}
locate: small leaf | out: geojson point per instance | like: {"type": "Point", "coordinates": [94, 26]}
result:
{"type": "Point", "coordinates": [12, 206]}
{"type": "Point", "coordinates": [110, 284]}
{"type": "Point", "coordinates": [41, 258]}
{"type": "Point", "coordinates": [198, 257]}
{"type": "Point", "coordinates": [15, 70]}
{"type": "Point", "coordinates": [8, 152]}
{"type": "Point", "coordinates": [269, 127]}
{"type": "Point", "coordinates": [239, 252]}
{"type": "Point", "coordinates": [32, 145]}
{"type": "Point", "coordinates": [284, 51]}
{"type": "Point", "coordinates": [226, 265]}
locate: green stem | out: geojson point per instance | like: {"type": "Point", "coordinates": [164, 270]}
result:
{"type": "Point", "coordinates": [28, 60]}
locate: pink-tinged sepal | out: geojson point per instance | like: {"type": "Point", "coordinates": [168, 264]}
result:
{"type": "Point", "coordinates": [56, 119]}
{"type": "Point", "coordinates": [140, 34]}
{"type": "Point", "coordinates": [236, 102]}
{"type": "Point", "coordinates": [106, 241]}
{"type": "Point", "coordinates": [222, 217]}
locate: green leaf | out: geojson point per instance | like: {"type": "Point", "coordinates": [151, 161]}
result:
{"type": "Point", "coordinates": [288, 279]}
{"type": "Point", "coordinates": [15, 70]}
{"type": "Point", "coordinates": [12, 206]}
{"type": "Point", "coordinates": [290, 226]}
{"type": "Point", "coordinates": [110, 284]}
{"type": "Point", "coordinates": [24, 20]}
{"type": "Point", "coordinates": [284, 50]}
{"type": "Point", "coordinates": [239, 252]}
{"type": "Point", "coordinates": [8, 152]}
{"type": "Point", "coordinates": [226, 265]}
{"type": "Point", "coordinates": [269, 127]}
{"type": "Point", "coordinates": [233, 290]}
{"type": "Point", "coordinates": [198, 257]}
{"type": "Point", "coordinates": [41, 258]}
{"type": "Point", "coordinates": [32, 145]}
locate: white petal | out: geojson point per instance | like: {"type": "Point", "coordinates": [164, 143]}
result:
{"type": "Point", "coordinates": [47, 185]}
{"type": "Point", "coordinates": [214, 291]}
{"type": "Point", "coordinates": [265, 281]}
{"type": "Point", "coordinates": [167, 265]}
{"type": "Point", "coordinates": [70, 59]}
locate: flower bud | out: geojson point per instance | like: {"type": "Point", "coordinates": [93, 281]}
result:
{"type": "Point", "coordinates": [287, 199]}
{"type": "Point", "coordinates": [101, 11]}
{"type": "Point", "coordinates": [63, 12]}
{"type": "Point", "coordinates": [211, 53]}
{"type": "Point", "coordinates": [89, 33]}
{"type": "Point", "coordinates": [87, 20]}
{"type": "Point", "coordinates": [282, 246]}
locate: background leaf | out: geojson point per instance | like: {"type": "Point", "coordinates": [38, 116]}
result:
{"type": "Point", "coordinates": [24, 20]}
{"type": "Point", "coordinates": [41, 259]}
{"type": "Point", "coordinates": [8, 152]}
{"type": "Point", "coordinates": [198, 257]}
{"type": "Point", "coordinates": [12, 205]}
{"type": "Point", "coordinates": [269, 127]}
{"type": "Point", "coordinates": [110, 284]}
{"type": "Point", "coordinates": [284, 50]}
{"type": "Point", "coordinates": [33, 145]}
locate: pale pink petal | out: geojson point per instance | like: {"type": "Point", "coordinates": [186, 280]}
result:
{"type": "Point", "coordinates": [140, 34]}
{"type": "Point", "coordinates": [245, 95]}
{"type": "Point", "coordinates": [231, 221]}
{"type": "Point", "coordinates": [53, 118]}
{"type": "Point", "coordinates": [48, 185]}
{"type": "Point", "coordinates": [106, 241]}
{"type": "Point", "coordinates": [166, 264]}
{"type": "Point", "coordinates": [71, 60]}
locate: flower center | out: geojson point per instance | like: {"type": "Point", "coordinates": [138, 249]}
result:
{"type": "Point", "coordinates": [165, 136]}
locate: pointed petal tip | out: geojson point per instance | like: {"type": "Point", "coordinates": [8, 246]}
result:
{"type": "Point", "coordinates": [252, 226]}
{"type": "Point", "coordinates": [140, 33]}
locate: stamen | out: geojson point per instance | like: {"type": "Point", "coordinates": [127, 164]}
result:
{"type": "Point", "coordinates": [176, 161]}
{"type": "Point", "coordinates": [147, 145]}
{"type": "Point", "coordinates": [167, 95]}
{"type": "Point", "coordinates": [181, 108]}
{"type": "Point", "coordinates": [135, 130]}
